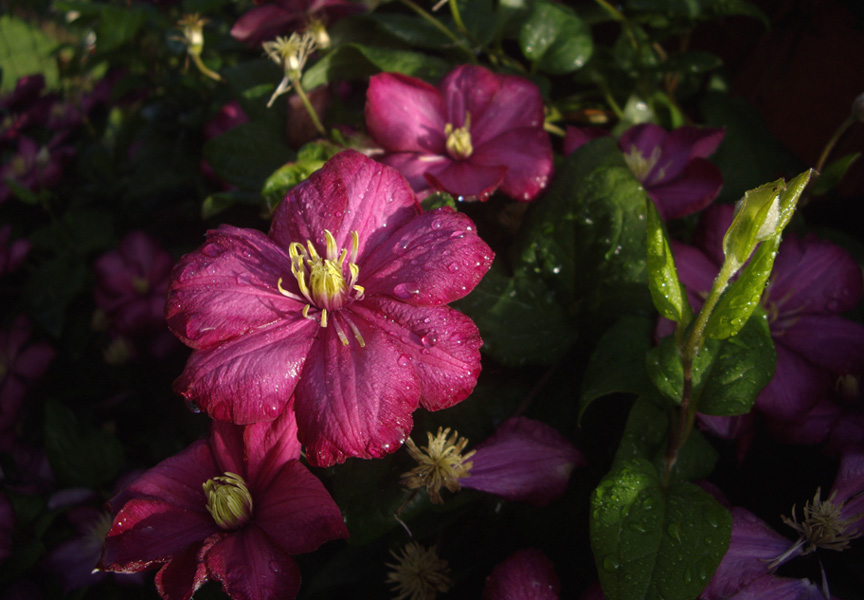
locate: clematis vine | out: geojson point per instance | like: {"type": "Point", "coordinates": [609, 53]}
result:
{"type": "Point", "coordinates": [477, 132]}
{"type": "Point", "coordinates": [342, 306]}
{"type": "Point", "coordinates": [672, 166]}
{"type": "Point", "coordinates": [524, 460]}
{"type": "Point", "coordinates": [233, 508]}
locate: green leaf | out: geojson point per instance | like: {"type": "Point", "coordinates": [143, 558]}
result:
{"type": "Point", "coordinates": [519, 318]}
{"type": "Point", "coordinates": [248, 154]}
{"type": "Point", "coordinates": [617, 364]}
{"type": "Point", "coordinates": [742, 366]}
{"type": "Point", "coordinates": [653, 543]}
{"type": "Point", "coordinates": [118, 25]}
{"type": "Point", "coordinates": [80, 455]}
{"type": "Point", "coordinates": [728, 8]}
{"type": "Point", "coordinates": [359, 61]}
{"type": "Point", "coordinates": [666, 371]}
{"type": "Point", "coordinates": [667, 292]}
{"type": "Point", "coordinates": [831, 175]}
{"type": "Point", "coordinates": [476, 16]}
{"type": "Point", "coordinates": [412, 31]}
{"type": "Point", "coordinates": [287, 176]}
{"type": "Point", "coordinates": [555, 38]}
{"type": "Point", "coordinates": [221, 201]}
{"type": "Point", "coordinates": [25, 50]}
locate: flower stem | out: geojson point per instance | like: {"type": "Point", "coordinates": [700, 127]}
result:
{"type": "Point", "coordinates": [826, 151]}
{"type": "Point", "coordinates": [440, 27]}
{"type": "Point", "coordinates": [196, 58]}
{"type": "Point", "coordinates": [309, 108]}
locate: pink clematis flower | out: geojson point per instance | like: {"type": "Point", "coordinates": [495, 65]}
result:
{"type": "Point", "coordinates": [269, 20]}
{"type": "Point", "coordinates": [233, 508]}
{"type": "Point", "coordinates": [343, 306]}
{"type": "Point", "coordinates": [671, 165]}
{"type": "Point", "coordinates": [477, 132]}
{"type": "Point", "coordinates": [526, 575]}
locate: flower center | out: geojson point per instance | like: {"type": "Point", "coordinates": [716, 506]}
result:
{"type": "Point", "coordinates": [641, 166]}
{"type": "Point", "coordinates": [141, 285]}
{"type": "Point", "coordinates": [441, 463]}
{"type": "Point", "coordinates": [459, 140]}
{"type": "Point", "coordinates": [823, 525]}
{"type": "Point", "coordinates": [327, 282]}
{"type": "Point", "coordinates": [419, 573]}
{"type": "Point", "coordinates": [228, 501]}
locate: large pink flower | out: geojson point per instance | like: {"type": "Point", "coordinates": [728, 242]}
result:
{"type": "Point", "coordinates": [477, 132]}
{"type": "Point", "coordinates": [233, 508]}
{"type": "Point", "coordinates": [343, 305]}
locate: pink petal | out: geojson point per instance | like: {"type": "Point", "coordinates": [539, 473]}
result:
{"type": "Point", "coordinates": [809, 429]}
{"type": "Point", "coordinates": [251, 568]}
{"type": "Point", "coordinates": [405, 114]}
{"type": "Point", "coordinates": [711, 229]}
{"type": "Point", "coordinates": [796, 387]}
{"type": "Point", "coordinates": [434, 259]}
{"type": "Point", "coordinates": [828, 341]}
{"type": "Point", "coordinates": [694, 189]}
{"type": "Point", "coordinates": [352, 193]}
{"type": "Point", "coordinates": [643, 138]}
{"type": "Point", "coordinates": [265, 22]}
{"type": "Point", "coordinates": [752, 546]}
{"type": "Point", "coordinates": [681, 147]}
{"type": "Point", "coordinates": [354, 401]}
{"type": "Point", "coordinates": [814, 276]}
{"type": "Point", "coordinates": [442, 345]}
{"type": "Point", "coordinates": [527, 154]}
{"type": "Point", "coordinates": [249, 378]}
{"type": "Point", "coordinates": [228, 287]}
{"type": "Point", "coordinates": [525, 575]}
{"type": "Point", "coordinates": [849, 485]}
{"type": "Point", "coordinates": [526, 461]}
{"type": "Point", "coordinates": [414, 166]}
{"type": "Point", "coordinates": [779, 588]}
{"type": "Point", "coordinates": [467, 180]}
{"type": "Point", "coordinates": [177, 480]}
{"type": "Point", "coordinates": [470, 89]}
{"type": "Point", "coordinates": [179, 578]}
{"type": "Point", "coordinates": [576, 137]}
{"type": "Point", "coordinates": [148, 531]}
{"type": "Point", "coordinates": [695, 270]}
{"type": "Point", "coordinates": [297, 513]}
{"type": "Point", "coordinates": [517, 104]}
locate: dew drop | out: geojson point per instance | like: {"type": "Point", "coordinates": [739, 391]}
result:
{"type": "Point", "coordinates": [429, 340]}
{"type": "Point", "coordinates": [211, 250]}
{"type": "Point", "coordinates": [610, 563]}
{"type": "Point", "coordinates": [193, 406]}
{"type": "Point", "coordinates": [437, 224]}
{"type": "Point", "coordinates": [274, 566]}
{"type": "Point", "coordinates": [453, 267]}
{"type": "Point", "coordinates": [404, 290]}
{"type": "Point", "coordinates": [457, 235]}
{"type": "Point", "coordinates": [403, 360]}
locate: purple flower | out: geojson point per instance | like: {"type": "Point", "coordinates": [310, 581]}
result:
{"type": "Point", "coordinates": [233, 508]}
{"type": "Point", "coordinates": [671, 165]}
{"type": "Point", "coordinates": [524, 461]}
{"type": "Point", "coordinates": [526, 575]}
{"type": "Point", "coordinates": [11, 254]}
{"type": "Point", "coordinates": [343, 306]}
{"type": "Point", "coordinates": [34, 167]}
{"type": "Point", "coordinates": [477, 132]}
{"type": "Point", "coordinates": [284, 16]}
{"type": "Point", "coordinates": [812, 284]}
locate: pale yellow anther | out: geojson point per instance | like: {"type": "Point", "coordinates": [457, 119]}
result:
{"type": "Point", "coordinates": [228, 501]}
{"type": "Point", "coordinates": [458, 142]}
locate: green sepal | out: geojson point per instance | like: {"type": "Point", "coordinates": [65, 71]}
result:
{"type": "Point", "coordinates": [667, 292]}
{"type": "Point", "coordinates": [756, 219]}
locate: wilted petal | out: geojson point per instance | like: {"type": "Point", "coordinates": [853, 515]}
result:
{"type": "Point", "coordinates": [354, 401]}
{"type": "Point", "coordinates": [352, 194]}
{"type": "Point", "coordinates": [250, 378]}
{"type": "Point", "coordinates": [296, 511]}
{"type": "Point", "coordinates": [524, 460]}
{"type": "Point", "coordinates": [405, 114]}
{"type": "Point", "coordinates": [435, 259]}
{"type": "Point", "coordinates": [441, 344]}
{"type": "Point", "coordinates": [250, 567]}
{"type": "Point", "coordinates": [525, 575]}
{"type": "Point", "coordinates": [849, 486]}
{"type": "Point", "coordinates": [228, 287]}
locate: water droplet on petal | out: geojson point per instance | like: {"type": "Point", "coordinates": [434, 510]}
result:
{"type": "Point", "coordinates": [274, 566]}
{"type": "Point", "coordinates": [404, 290]}
{"type": "Point", "coordinates": [453, 267]}
{"type": "Point", "coordinates": [437, 224]}
{"type": "Point", "coordinates": [193, 406]}
{"type": "Point", "coordinates": [211, 250]}
{"type": "Point", "coordinates": [403, 360]}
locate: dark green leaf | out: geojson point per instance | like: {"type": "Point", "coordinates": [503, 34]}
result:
{"type": "Point", "coordinates": [651, 542]}
{"type": "Point", "coordinates": [667, 292]}
{"type": "Point", "coordinates": [411, 30]}
{"type": "Point", "coordinates": [692, 62]}
{"type": "Point", "coordinates": [666, 371]}
{"type": "Point", "coordinates": [220, 201]}
{"type": "Point", "coordinates": [477, 16]}
{"type": "Point", "coordinates": [555, 38]}
{"type": "Point", "coordinates": [728, 8]}
{"type": "Point", "coordinates": [25, 50]}
{"type": "Point", "coordinates": [80, 455]}
{"type": "Point", "coordinates": [358, 61]}
{"type": "Point", "coordinates": [248, 154]}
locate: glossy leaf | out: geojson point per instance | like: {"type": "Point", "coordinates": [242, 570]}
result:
{"type": "Point", "coordinates": [25, 50]}
{"type": "Point", "coordinates": [555, 38]}
{"type": "Point", "coordinates": [667, 292]}
{"type": "Point", "coordinates": [359, 61]}
{"type": "Point", "coordinates": [248, 154]}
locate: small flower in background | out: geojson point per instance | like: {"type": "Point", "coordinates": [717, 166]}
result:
{"type": "Point", "coordinates": [233, 508]}
{"type": "Point", "coordinates": [34, 167]}
{"type": "Point", "coordinates": [12, 253]}
{"type": "Point", "coordinates": [671, 165]}
{"type": "Point", "coordinates": [280, 17]}
{"type": "Point", "coordinates": [22, 363]}
{"type": "Point", "coordinates": [525, 575]}
{"type": "Point", "coordinates": [476, 133]}
{"type": "Point", "coordinates": [291, 54]}
{"type": "Point", "coordinates": [418, 573]}
{"type": "Point", "coordinates": [24, 107]}
{"type": "Point", "coordinates": [524, 461]}
{"type": "Point", "coordinates": [342, 306]}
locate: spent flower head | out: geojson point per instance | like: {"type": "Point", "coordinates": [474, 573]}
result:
{"type": "Point", "coordinates": [193, 32]}
{"type": "Point", "coordinates": [290, 53]}
{"type": "Point", "coordinates": [418, 573]}
{"type": "Point", "coordinates": [441, 463]}
{"type": "Point", "coordinates": [824, 524]}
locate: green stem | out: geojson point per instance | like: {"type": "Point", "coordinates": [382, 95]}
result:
{"type": "Point", "coordinates": [823, 158]}
{"type": "Point", "coordinates": [440, 27]}
{"type": "Point", "coordinates": [196, 58]}
{"type": "Point", "coordinates": [309, 108]}
{"type": "Point", "coordinates": [457, 17]}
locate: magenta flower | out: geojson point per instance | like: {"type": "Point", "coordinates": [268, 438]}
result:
{"type": "Point", "coordinates": [477, 132]}
{"type": "Point", "coordinates": [12, 254]}
{"type": "Point", "coordinates": [34, 167]}
{"type": "Point", "coordinates": [671, 165]}
{"type": "Point", "coordinates": [813, 283]}
{"type": "Point", "coordinates": [276, 18]}
{"type": "Point", "coordinates": [233, 508]}
{"type": "Point", "coordinates": [526, 575]}
{"type": "Point", "coordinates": [343, 306]}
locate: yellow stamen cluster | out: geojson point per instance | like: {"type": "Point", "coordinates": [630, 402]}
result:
{"type": "Point", "coordinates": [418, 574]}
{"type": "Point", "coordinates": [440, 464]}
{"type": "Point", "coordinates": [228, 501]}
{"type": "Point", "coordinates": [639, 165]}
{"type": "Point", "coordinates": [290, 54]}
{"type": "Point", "coordinates": [823, 525]}
{"type": "Point", "coordinates": [458, 142]}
